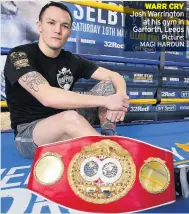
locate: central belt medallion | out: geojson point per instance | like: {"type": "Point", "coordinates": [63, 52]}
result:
{"type": "Point", "coordinates": [102, 172]}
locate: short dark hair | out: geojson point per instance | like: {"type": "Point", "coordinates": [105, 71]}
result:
{"type": "Point", "coordinates": [55, 4]}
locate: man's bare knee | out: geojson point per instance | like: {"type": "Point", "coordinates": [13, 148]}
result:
{"type": "Point", "coordinates": [75, 124]}
{"type": "Point", "coordinates": [103, 88]}
{"type": "Point", "coordinates": [70, 116]}
{"type": "Point", "coordinates": [67, 121]}
{"type": "Point", "coordinates": [109, 88]}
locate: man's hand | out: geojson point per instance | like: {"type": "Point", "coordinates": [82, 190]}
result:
{"type": "Point", "coordinates": [117, 102]}
{"type": "Point", "coordinates": [115, 116]}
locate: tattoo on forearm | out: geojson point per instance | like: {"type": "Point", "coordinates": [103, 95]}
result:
{"type": "Point", "coordinates": [33, 80]}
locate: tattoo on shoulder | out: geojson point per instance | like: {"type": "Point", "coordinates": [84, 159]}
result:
{"type": "Point", "coordinates": [33, 80]}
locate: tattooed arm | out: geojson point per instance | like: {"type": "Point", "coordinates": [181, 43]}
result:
{"type": "Point", "coordinates": [32, 80]}
{"type": "Point", "coordinates": [117, 80]}
{"type": "Point", "coordinates": [58, 98]}
{"type": "Point", "coordinates": [120, 86]}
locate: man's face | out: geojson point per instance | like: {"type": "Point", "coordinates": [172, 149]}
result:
{"type": "Point", "coordinates": [55, 27]}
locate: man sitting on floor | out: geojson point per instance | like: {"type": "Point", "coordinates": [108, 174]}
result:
{"type": "Point", "coordinates": [39, 81]}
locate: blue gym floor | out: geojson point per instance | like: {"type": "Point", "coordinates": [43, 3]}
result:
{"type": "Point", "coordinates": [15, 169]}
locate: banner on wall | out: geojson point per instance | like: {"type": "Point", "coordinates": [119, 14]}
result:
{"type": "Point", "coordinates": [160, 108]}
{"type": "Point", "coordinates": [94, 31]}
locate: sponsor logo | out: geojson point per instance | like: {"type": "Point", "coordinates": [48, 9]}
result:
{"type": "Point", "coordinates": [137, 47]}
{"type": "Point", "coordinates": [168, 94]}
{"type": "Point", "coordinates": [133, 93]}
{"type": "Point", "coordinates": [174, 79]}
{"type": "Point", "coordinates": [187, 54]}
{"type": "Point", "coordinates": [147, 93]}
{"type": "Point", "coordinates": [171, 67]}
{"type": "Point", "coordinates": [109, 44]}
{"type": "Point", "coordinates": [71, 39]}
{"type": "Point", "coordinates": [186, 79]}
{"type": "Point", "coordinates": [144, 93]}
{"type": "Point", "coordinates": [172, 52]}
{"type": "Point", "coordinates": [166, 108]}
{"type": "Point", "coordinates": [139, 108]}
{"type": "Point", "coordinates": [184, 107]}
{"type": "Point", "coordinates": [186, 68]}
{"type": "Point", "coordinates": [88, 41]}
{"type": "Point", "coordinates": [143, 78]}
{"type": "Point", "coordinates": [184, 93]}
{"type": "Point", "coordinates": [125, 77]}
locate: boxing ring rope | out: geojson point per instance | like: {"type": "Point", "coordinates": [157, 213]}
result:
{"type": "Point", "coordinates": [5, 51]}
{"type": "Point", "coordinates": [140, 101]}
{"type": "Point", "coordinates": [116, 8]}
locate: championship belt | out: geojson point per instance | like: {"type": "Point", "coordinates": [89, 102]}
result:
{"type": "Point", "coordinates": [106, 174]}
